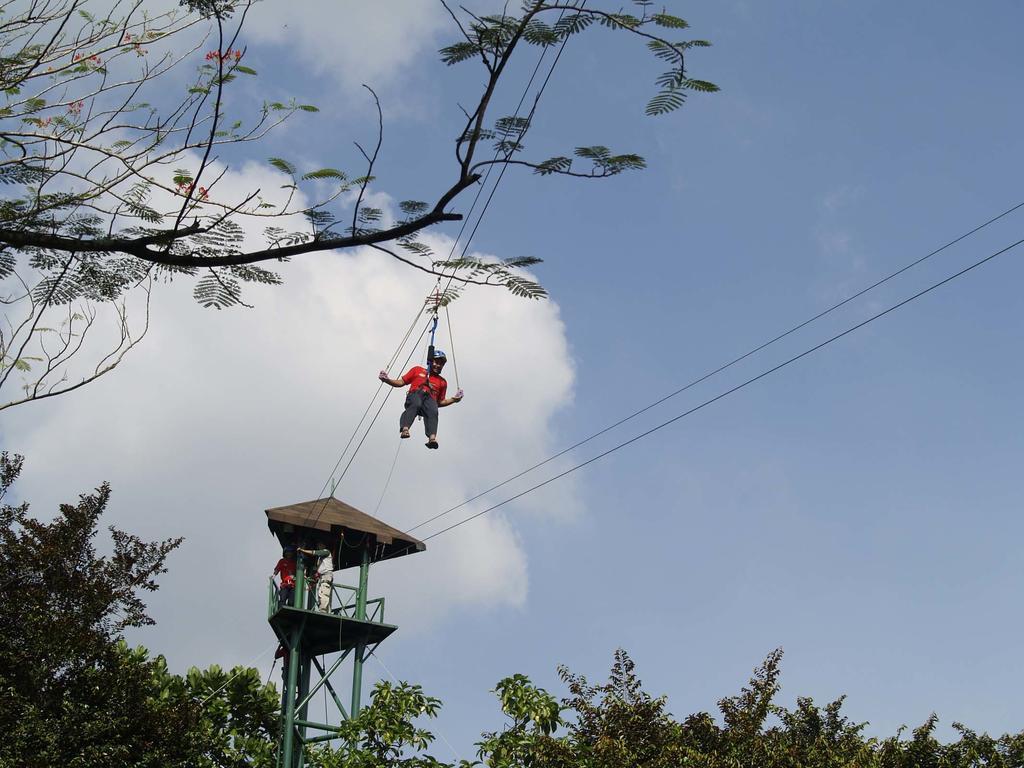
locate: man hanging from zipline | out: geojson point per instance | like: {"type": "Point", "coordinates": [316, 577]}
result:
{"type": "Point", "coordinates": [426, 395]}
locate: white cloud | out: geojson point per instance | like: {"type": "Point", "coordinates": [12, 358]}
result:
{"type": "Point", "coordinates": [353, 42]}
{"type": "Point", "coordinates": [220, 415]}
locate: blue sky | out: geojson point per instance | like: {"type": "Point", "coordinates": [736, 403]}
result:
{"type": "Point", "coordinates": [860, 508]}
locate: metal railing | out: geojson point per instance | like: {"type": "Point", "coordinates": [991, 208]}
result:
{"type": "Point", "coordinates": [343, 602]}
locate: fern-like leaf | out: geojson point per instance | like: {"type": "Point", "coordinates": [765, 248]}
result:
{"type": "Point", "coordinates": [517, 262]}
{"type": "Point", "coordinates": [527, 289]}
{"type": "Point", "coordinates": [553, 165]}
{"type": "Point", "coordinates": [702, 85]}
{"type": "Point", "coordinates": [413, 207]}
{"type": "Point", "coordinates": [596, 153]}
{"type": "Point", "coordinates": [369, 215]}
{"type": "Point", "coordinates": [668, 20]}
{"type": "Point", "coordinates": [56, 290]}
{"type": "Point", "coordinates": [665, 102]}
{"type": "Point", "coordinates": [217, 291]}
{"type": "Point", "coordinates": [325, 173]}
{"type": "Point", "coordinates": [459, 52]}
{"type": "Point", "coordinates": [539, 33]}
{"type": "Point", "coordinates": [250, 273]}
{"type": "Point", "coordinates": [664, 51]}
{"type": "Point", "coordinates": [511, 126]}
{"type": "Point", "coordinates": [572, 24]}
{"type": "Point", "coordinates": [282, 165]}
{"type": "Point", "coordinates": [416, 248]}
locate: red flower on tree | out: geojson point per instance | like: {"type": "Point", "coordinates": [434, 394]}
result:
{"type": "Point", "coordinates": [228, 55]}
{"type": "Point", "coordinates": [185, 189]}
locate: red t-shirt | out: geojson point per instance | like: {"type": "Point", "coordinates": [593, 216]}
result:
{"type": "Point", "coordinates": [417, 377]}
{"type": "Point", "coordinates": [286, 568]}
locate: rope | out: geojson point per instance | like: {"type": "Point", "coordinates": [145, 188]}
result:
{"type": "Point", "coordinates": [391, 362]}
{"type": "Point", "coordinates": [451, 339]}
{"type": "Point", "coordinates": [241, 669]}
{"type": "Point", "coordinates": [727, 365]}
{"type": "Point", "coordinates": [362, 418]}
{"type": "Point", "coordinates": [395, 680]}
{"type": "Point", "coordinates": [405, 338]}
{"type": "Point", "coordinates": [365, 434]}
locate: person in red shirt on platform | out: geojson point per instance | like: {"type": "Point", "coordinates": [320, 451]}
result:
{"type": "Point", "coordinates": [426, 395]}
{"type": "Point", "coordinates": [285, 568]}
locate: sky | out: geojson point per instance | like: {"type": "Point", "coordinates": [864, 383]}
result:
{"type": "Point", "coordinates": [859, 508]}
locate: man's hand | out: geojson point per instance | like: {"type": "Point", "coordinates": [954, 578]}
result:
{"type": "Point", "coordinates": [383, 376]}
{"type": "Point", "coordinates": [458, 396]}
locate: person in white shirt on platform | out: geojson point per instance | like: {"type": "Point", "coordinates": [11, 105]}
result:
{"type": "Point", "coordinates": [324, 575]}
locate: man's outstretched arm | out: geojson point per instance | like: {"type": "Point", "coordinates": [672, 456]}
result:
{"type": "Point", "coordinates": [449, 400]}
{"type": "Point", "coordinates": [383, 376]}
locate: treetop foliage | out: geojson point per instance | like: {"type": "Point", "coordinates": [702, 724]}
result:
{"type": "Point", "coordinates": [119, 125]}
{"type": "Point", "coordinates": [72, 692]}
{"type": "Point", "coordinates": [110, 179]}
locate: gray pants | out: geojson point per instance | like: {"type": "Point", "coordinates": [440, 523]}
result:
{"type": "Point", "coordinates": [420, 403]}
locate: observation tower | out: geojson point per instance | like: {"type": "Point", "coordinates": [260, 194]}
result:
{"type": "Point", "coordinates": [348, 626]}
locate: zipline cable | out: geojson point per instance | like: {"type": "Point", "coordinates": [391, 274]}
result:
{"type": "Point", "coordinates": [465, 249]}
{"type": "Point", "coordinates": [501, 173]}
{"type": "Point", "coordinates": [391, 362]}
{"type": "Point", "coordinates": [376, 656]}
{"type": "Point", "coordinates": [487, 174]}
{"type": "Point", "coordinates": [519, 139]}
{"type": "Point", "coordinates": [730, 391]}
{"type": "Point", "coordinates": [455, 243]}
{"type": "Point", "coordinates": [725, 366]}
{"type": "Point", "coordinates": [366, 433]}
{"type": "Point", "coordinates": [388, 481]}
{"type": "Point", "coordinates": [490, 166]}
{"type": "Point", "coordinates": [241, 669]}
{"type": "Point", "coordinates": [380, 385]}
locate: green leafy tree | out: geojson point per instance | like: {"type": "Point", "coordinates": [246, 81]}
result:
{"type": "Point", "coordinates": [239, 718]}
{"type": "Point", "coordinates": [387, 733]}
{"type": "Point", "coordinates": [72, 692]}
{"type": "Point", "coordinates": [112, 179]}
{"type": "Point", "coordinates": [527, 739]}
{"type": "Point", "coordinates": [619, 724]}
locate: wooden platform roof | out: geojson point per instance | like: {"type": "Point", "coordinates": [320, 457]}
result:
{"type": "Point", "coordinates": [313, 519]}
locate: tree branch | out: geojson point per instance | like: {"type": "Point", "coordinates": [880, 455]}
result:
{"type": "Point", "coordinates": [370, 160]}
{"type": "Point", "coordinates": [136, 247]}
{"type": "Point", "coordinates": [429, 271]}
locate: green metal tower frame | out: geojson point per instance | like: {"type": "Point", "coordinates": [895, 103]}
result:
{"type": "Point", "coordinates": [351, 628]}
